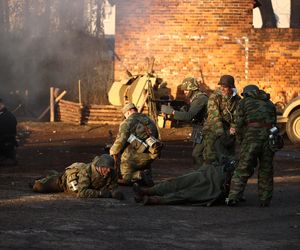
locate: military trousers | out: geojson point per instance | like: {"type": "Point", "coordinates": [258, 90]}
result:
{"type": "Point", "coordinates": [54, 183]}
{"type": "Point", "coordinates": [197, 154]}
{"type": "Point", "coordinates": [252, 153]}
{"type": "Point", "coordinates": [217, 147]}
{"type": "Point", "coordinates": [196, 187]}
{"type": "Point", "coordinates": [132, 163]}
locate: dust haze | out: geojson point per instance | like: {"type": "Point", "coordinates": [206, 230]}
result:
{"type": "Point", "coordinates": [47, 43]}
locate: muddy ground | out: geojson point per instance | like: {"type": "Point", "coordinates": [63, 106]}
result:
{"type": "Point", "coordinates": [58, 221]}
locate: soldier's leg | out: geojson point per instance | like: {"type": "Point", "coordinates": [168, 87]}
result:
{"type": "Point", "coordinates": [49, 184]}
{"type": "Point", "coordinates": [176, 184]}
{"type": "Point", "coordinates": [209, 151]}
{"type": "Point", "coordinates": [135, 166]}
{"type": "Point", "coordinates": [244, 170]}
{"type": "Point", "coordinates": [197, 154]}
{"type": "Point", "coordinates": [265, 176]}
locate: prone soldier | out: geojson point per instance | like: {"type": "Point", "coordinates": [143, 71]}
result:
{"type": "Point", "coordinates": [88, 180]}
{"type": "Point", "coordinates": [207, 186]}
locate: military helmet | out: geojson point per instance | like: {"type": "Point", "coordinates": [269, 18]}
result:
{"type": "Point", "coordinates": [127, 107]}
{"type": "Point", "coordinates": [104, 160]}
{"type": "Point", "coordinates": [248, 88]}
{"type": "Point", "coordinates": [227, 81]}
{"type": "Point", "coordinates": [190, 84]}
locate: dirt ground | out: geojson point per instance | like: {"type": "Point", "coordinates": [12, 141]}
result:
{"type": "Point", "coordinates": [59, 221]}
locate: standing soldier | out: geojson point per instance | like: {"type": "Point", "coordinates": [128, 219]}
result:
{"type": "Point", "coordinates": [196, 114]}
{"type": "Point", "coordinates": [8, 131]}
{"type": "Point", "coordinates": [92, 180]}
{"type": "Point", "coordinates": [256, 120]}
{"type": "Point", "coordinates": [220, 122]}
{"type": "Point", "coordinates": [137, 143]}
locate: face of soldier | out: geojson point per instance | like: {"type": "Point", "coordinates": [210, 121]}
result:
{"type": "Point", "coordinates": [226, 91]}
{"type": "Point", "coordinates": [104, 171]}
{"type": "Point", "coordinates": [186, 93]}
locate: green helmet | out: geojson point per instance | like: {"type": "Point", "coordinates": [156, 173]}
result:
{"type": "Point", "coordinates": [190, 84]}
{"type": "Point", "coordinates": [104, 160]}
{"type": "Point", "coordinates": [249, 88]}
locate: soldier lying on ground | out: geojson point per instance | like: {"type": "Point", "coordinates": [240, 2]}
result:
{"type": "Point", "coordinates": [137, 143]}
{"type": "Point", "coordinates": [206, 186]}
{"type": "Point", "coordinates": [8, 130]}
{"type": "Point", "coordinates": [92, 180]}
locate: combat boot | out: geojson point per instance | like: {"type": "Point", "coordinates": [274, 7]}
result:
{"type": "Point", "coordinates": [146, 178]}
{"type": "Point", "coordinates": [265, 203]}
{"type": "Point", "coordinates": [151, 200]}
{"type": "Point", "coordinates": [140, 192]}
{"type": "Point", "coordinates": [231, 202]}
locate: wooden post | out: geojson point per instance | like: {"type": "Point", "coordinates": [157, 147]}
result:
{"type": "Point", "coordinates": [79, 91]}
{"type": "Point", "coordinates": [51, 104]}
{"type": "Point", "coordinates": [56, 101]}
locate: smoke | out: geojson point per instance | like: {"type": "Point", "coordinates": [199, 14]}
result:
{"type": "Point", "coordinates": [52, 43]}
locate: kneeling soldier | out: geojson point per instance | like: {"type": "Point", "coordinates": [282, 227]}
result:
{"type": "Point", "coordinates": [92, 180]}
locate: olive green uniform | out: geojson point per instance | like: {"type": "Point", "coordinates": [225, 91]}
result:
{"type": "Point", "coordinates": [204, 186]}
{"type": "Point", "coordinates": [220, 118]}
{"type": "Point", "coordinates": [196, 114]}
{"type": "Point", "coordinates": [133, 161]}
{"type": "Point", "coordinates": [255, 116]}
{"type": "Point", "coordinates": [90, 182]}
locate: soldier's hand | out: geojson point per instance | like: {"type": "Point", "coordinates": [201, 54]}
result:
{"type": "Point", "coordinates": [168, 110]}
{"type": "Point", "coordinates": [117, 195]}
{"type": "Point", "coordinates": [232, 131]}
{"type": "Point", "coordinates": [104, 193]}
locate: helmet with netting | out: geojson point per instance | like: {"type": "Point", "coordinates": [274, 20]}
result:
{"type": "Point", "coordinates": [189, 84]}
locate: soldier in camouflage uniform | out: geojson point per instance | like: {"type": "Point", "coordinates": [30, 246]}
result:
{"type": "Point", "coordinates": [206, 186]}
{"type": "Point", "coordinates": [195, 114]}
{"type": "Point", "coordinates": [220, 122]}
{"type": "Point", "coordinates": [132, 144]}
{"type": "Point", "coordinates": [93, 180]}
{"type": "Point", "coordinates": [256, 115]}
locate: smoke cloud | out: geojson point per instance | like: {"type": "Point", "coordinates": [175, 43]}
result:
{"type": "Point", "coordinates": [52, 43]}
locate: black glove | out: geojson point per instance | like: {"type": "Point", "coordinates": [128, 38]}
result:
{"type": "Point", "coordinates": [104, 193]}
{"type": "Point", "coordinates": [117, 195]}
{"type": "Point", "coordinates": [168, 110]}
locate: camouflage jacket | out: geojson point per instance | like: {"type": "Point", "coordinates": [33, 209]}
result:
{"type": "Point", "coordinates": [221, 112]}
{"type": "Point", "coordinates": [90, 181]}
{"type": "Point", "coordinates": [255, 107]}
{"type": "Point", "coordinates": [137, 124]}
{"type": "Point", "coordinates": [197, 110]}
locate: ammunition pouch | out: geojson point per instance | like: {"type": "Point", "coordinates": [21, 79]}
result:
{"type": "Point", "coordinates": [137, 144]}
{"type": "Point", "coordinates": [276, 142]}
{"type": "Point", "coordinates": [197, 136]}
{"type": "Point", "coordinates": [155, 145]}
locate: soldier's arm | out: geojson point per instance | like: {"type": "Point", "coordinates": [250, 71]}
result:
{"type": "Point", "coordinates": [214, 117]}
{"type": "Point", "coordinates": [84, 184]}
{"type": "Point", "coordinates": [196, 106]}
{"type": "Point", "coordinates": [121, 140]}
{"type": "Point", "coordinates": [240, 121]}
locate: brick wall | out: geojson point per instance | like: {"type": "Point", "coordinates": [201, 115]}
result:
{"type": "Point", "coordinates": [215, 37]}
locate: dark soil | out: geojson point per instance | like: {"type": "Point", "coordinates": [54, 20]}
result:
{"type": "Point", "coordinates": [59, 221]}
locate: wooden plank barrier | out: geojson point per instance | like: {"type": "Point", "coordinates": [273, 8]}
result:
{"type": "Point", "coordinates": [77, 113]}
